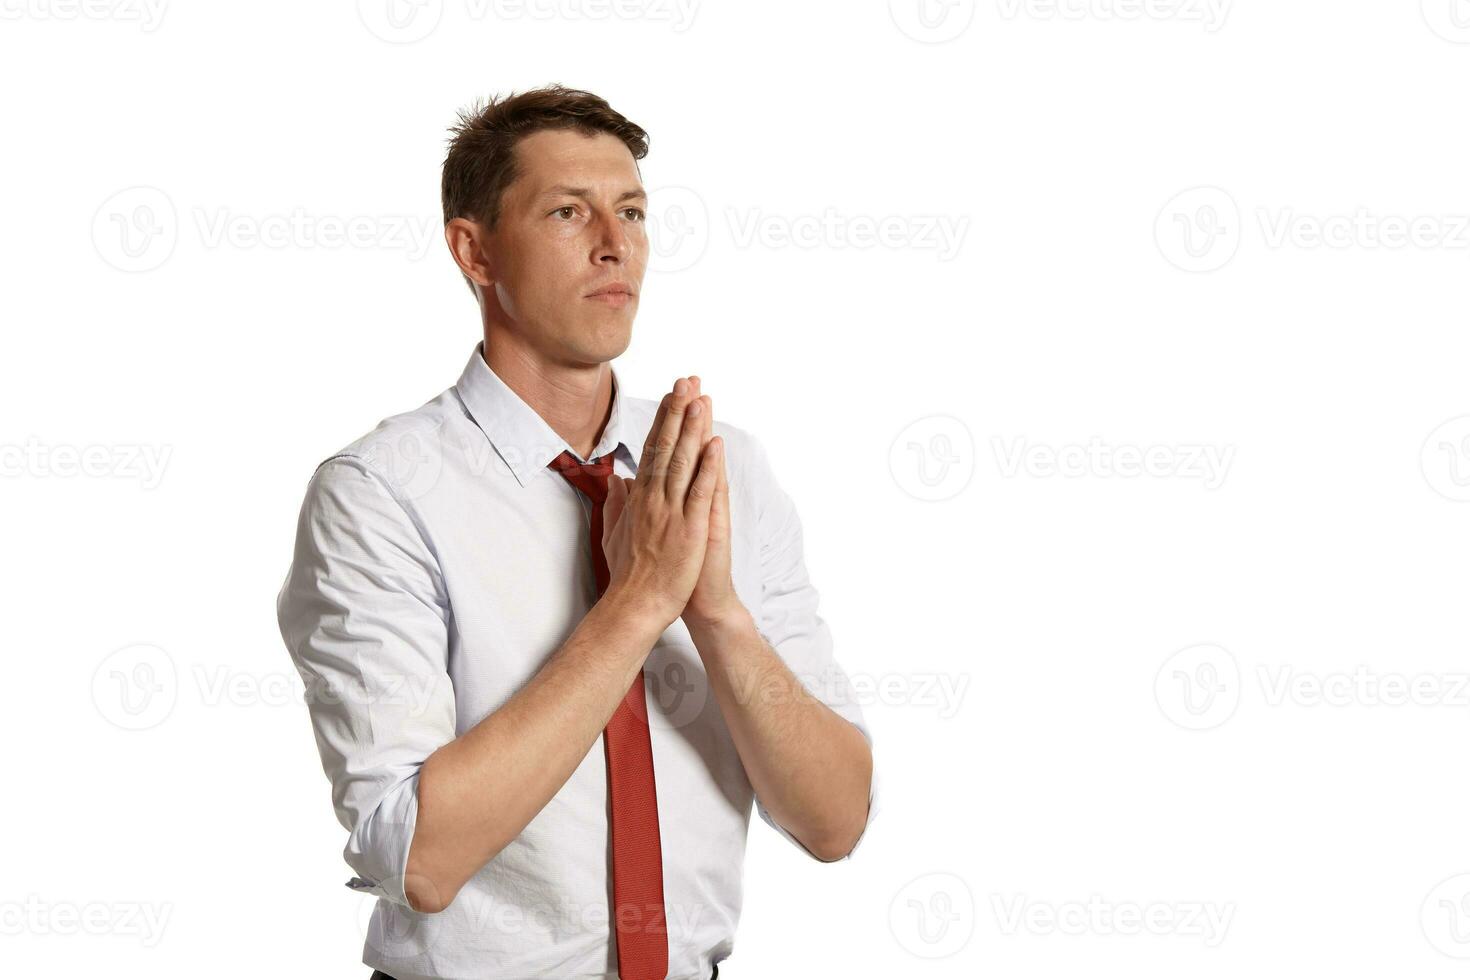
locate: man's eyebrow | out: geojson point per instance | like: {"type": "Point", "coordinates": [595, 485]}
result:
{"type": "Point", "coordinates": [586, 193]}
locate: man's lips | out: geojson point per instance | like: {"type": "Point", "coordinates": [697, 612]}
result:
{"type": "Point", "coordinates": [613, 295]}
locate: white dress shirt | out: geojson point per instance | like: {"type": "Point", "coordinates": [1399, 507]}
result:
{"type": "Point", "coordinates": [438, 565]}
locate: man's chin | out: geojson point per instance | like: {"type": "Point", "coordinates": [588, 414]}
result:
{"type": "Point", "coordinates": [601, 342]}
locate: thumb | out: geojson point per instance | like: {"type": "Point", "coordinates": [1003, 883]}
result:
{"type": "Point", "coordinates": [612, 507]}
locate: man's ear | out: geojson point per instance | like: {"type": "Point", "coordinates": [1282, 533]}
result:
{"type": "Point", "coordinates": [467, 241]}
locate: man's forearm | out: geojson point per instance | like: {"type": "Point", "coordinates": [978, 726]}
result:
{"type": "Point", "coordinates": [811, 767]}
{"type": "Point", "coordinates": [477, 793]}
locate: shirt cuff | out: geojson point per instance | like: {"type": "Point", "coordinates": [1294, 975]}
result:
{"type": "Point", "coordinates": [378, 849]}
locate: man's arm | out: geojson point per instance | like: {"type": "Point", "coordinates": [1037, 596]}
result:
{"type": "Point", "coordinates": [478, 792]}
{"type": "Point", "coordinates": [809, 761]}
{"type": "Point", "coordinates": [364, 608]}
{"type": "Point", "coordinates": [810, 768]}
{"type": "Point", "coordinates": [364, 615]}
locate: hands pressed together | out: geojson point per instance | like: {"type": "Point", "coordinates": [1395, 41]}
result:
{"type": "Point", "coordinates": [666, 532]}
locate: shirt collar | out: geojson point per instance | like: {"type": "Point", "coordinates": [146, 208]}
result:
{"type": "Point", "coordinates": [518, 433]}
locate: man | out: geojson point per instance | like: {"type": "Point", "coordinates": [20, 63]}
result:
{"type": "Point", "coordinates": [556, 638]}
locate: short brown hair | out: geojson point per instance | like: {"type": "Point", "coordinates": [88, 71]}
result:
{"type": "Point", "coordinates": [481, 162]}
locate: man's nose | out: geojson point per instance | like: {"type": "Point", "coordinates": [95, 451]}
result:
{"type": "Point", "coordinates": [612, 239]}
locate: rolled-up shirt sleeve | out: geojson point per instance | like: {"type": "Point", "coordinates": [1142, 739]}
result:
{"type": "Point", "coordinates": [790, 622]}
{"type": "Point", "coordinates": [364, 615]}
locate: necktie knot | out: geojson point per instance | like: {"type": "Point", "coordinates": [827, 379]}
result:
{"type": "Point", "coordinates": [590, 478]}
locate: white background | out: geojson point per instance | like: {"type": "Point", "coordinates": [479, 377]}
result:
{"type": "Point", "coordinates": [1203, 719]}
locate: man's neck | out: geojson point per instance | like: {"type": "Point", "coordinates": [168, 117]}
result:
{"type": "Point", "coordinates": [575, 402]}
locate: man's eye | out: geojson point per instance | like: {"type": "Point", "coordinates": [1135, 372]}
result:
{"type": "Point", "coordinates": [636, 212]}
{"type": "Point", "coordinates": [567, 207]}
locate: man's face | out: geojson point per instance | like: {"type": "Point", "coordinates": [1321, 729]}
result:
{"type": "Point", "coordinates": [570, 224]}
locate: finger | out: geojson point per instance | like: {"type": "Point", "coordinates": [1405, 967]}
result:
{"type": "Point", "coordinates": [685, 461]}
{"type": "Point", "coordinates": [705, 413]}
{"type": "Point", "coordinates": [665, 437]}
{"type": "Point", "coordinates": [645, 462]}
{"type": "Point", "coordinates": [612, 507]}
{"type": "Point", "coordinates": [707, 421]}
{"type": "Point", "coordinates": [719, 511]}
{"type": "Point", "coordinates": [702, 490]}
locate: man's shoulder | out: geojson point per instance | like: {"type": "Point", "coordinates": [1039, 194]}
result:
{"type": "Point", "coordinates": [400, 448]}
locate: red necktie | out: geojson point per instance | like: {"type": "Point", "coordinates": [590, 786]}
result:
{"type": "Point", "coordinates": [637, 859]}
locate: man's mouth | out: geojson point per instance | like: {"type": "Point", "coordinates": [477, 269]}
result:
{"type": "Point", "coordinates": [613, 294]}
